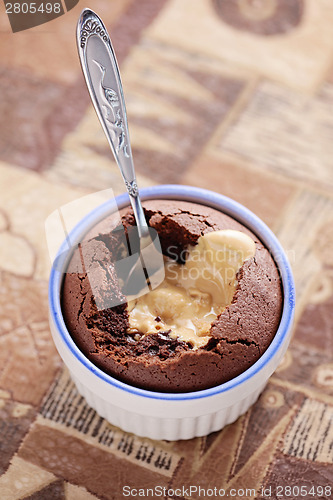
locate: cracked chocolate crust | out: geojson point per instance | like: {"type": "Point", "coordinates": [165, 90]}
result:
{"type": "Point", "coordinates": [239, 336]}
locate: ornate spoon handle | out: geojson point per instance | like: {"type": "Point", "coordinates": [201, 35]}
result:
{"type": "Point", "coordinates": [100, 68]}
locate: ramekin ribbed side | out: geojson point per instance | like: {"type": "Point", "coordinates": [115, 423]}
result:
{"type": "Point", "coordinates": [166, 428]}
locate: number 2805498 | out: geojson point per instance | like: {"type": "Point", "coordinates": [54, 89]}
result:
{"type": "Point", "coordinates": [33, 8]}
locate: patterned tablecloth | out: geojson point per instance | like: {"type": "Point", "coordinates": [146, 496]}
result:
{"type": "Point", "coordinates": [230, 95]}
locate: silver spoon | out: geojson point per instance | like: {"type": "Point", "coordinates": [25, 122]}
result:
{"type": "Point", "coordinates": [101, 72]}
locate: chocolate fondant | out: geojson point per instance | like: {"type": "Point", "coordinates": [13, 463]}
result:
{"type": "Point", "coordinates": [238, 337]}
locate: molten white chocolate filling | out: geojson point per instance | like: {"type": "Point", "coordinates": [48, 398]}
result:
{"type": "Point", "coordinates": [193, 294]}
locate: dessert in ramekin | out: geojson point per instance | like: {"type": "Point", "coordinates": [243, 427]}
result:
{"type": "Point", "coordinates": [216, 381]}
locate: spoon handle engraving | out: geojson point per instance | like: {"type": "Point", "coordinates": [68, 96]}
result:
{"type": "Point", "coordinates": [101, 72]}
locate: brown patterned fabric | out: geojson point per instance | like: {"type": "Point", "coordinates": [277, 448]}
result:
{"type": "Point", "coordinates": [233, 96]}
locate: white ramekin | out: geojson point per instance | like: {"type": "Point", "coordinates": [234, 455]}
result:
{"type": "Point", "coordinates": [167, 415]}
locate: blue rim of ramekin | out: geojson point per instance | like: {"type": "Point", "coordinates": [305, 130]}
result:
{"type": "Point", "coordinates": [195, 195]}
